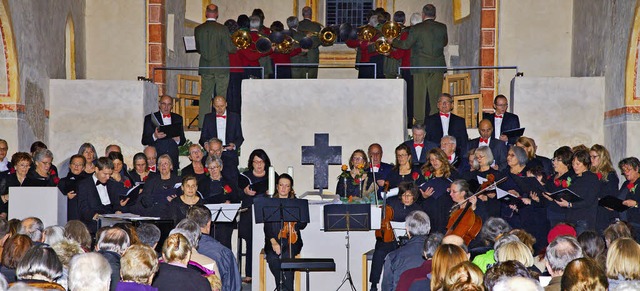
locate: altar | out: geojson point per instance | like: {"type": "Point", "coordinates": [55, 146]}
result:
{"type": "Point", "coordinates": [321, 244]}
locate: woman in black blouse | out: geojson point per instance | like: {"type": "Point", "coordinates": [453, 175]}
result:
{"type": "Point", "coordinates": [43, 174]}
{"type": "Point", "coordinates": [160, 189]}
{"type": "Point", "coordinates": [403, 170]}
{"type": "Point", "coordinates": [89, 152]}
{"type": "Point", "coordinates": [217, 189]}
{"type": "Point", "coordinates": [68, 185]}
{"type": "Point", "coordinates": [561, 179]}
{"type": "Point", "coordinates": [357, 181]}
{"type": "Point", "coordinates": [17, 177]}
{"type": "Point", "coordinates": [602, 166]}
{"type": "Point", "coordinates": [197, 167]}
{"type": "Point", "coordinates": [140, 171]}
{"type": "Point", "coordinates": [179, 207]}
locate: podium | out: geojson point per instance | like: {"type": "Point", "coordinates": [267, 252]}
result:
{"type": "Point", "coordinates": [46, 203]}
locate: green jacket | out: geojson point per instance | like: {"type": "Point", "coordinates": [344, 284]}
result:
{"type": "Point", "coordinates": [213, 42]}
{"type": "Point", "coordinates": [426, 41]}
{"type": "Point", "coordinates": [305, 26]}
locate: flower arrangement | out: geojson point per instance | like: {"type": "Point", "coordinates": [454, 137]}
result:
{"type": "Point", "coordinates": [359, 173]}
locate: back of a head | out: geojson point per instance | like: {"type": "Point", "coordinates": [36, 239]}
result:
{"type": "Point", "coordinates": [431, 244]}
{"type": "Point", "coordinates": [114, 240]}
{"type": "Point", "coordinates": [67, 249]}
{"type": "Point", "coordinates": [415, 18]}
{"type": "Point", "coordinates": [32, 227]}
{"type": "Point", "coordinates": [561, 251]}
{"type": "Point", "coordinates": [615, 231]}
{"type": "Point", "coordinates": [190, 230]}
{"type": "Point", "coordinates": [89, 272]}
{"type": "Point", "coordinates": [199, 214]}
{"type": "Point", "coordinates": [148, 234]}
{"type": "Point", "coordinates": [176, 248]}
{"type": "Point", "coordinates": [14, 250]}
{"type": "Point", "coordinates": [429, 11]}
{"type": "Point", "coordinates": [4, 227]}
{"type": "Point", "coordinates": [515, 250]}
{"type": "Point", "coordinates": [418, 223]}
{"type": "Point", "coordinates": [40, 262]}
{"type": "Point", "coordinates": [138, 264]}
{"type": "Point", "coordinates": [622, 259]}
{"type": "Point", "coordinates": [463, 273]}
{"type": "Point", "coordinates": [77, 231]}
{"type": "Point", "coordinates": [504, 270]}
{"type": "Point", "coordinates": [493, 228]}
{"type": "Point", "coordinates": [445, 257]}
{"type": "Point", "coordinates": [53, 234]}
{"type": "Point", "coordinates": [518, 284]}
{"type": "Point", "coordinates": [584, 274]}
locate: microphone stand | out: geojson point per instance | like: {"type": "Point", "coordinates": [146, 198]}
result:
{"type": "Point", "coordinates": [375, 182]}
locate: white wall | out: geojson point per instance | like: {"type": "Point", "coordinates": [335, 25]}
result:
{"type": "Point", "coordinates": [116, 39]}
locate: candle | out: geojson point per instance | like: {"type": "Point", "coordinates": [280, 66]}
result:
{"type": "Point", "coordinates": [290, 171]}
{"type": "Point", "coordinates": [272, 180]}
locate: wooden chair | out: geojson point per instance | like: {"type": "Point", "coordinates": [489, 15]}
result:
{"type": "Point", "coordinates": [457, 84]}
{"type": "Point", "coordinates": [468, 107]}
{"type": "Point", "coordinates": [263, 273]}
{"type": "Point", "coordinates": [188, 91]}
{"type": "Point", "coordinates": [366, 258]}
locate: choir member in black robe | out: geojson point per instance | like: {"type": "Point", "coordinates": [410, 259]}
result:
{"type": "Point", "coordinates": [197, 167]}
{"type": "Point", "coordinates": [43, 174]}
{"type": "Point", "coordinates": [602, 166]}
{"type": "Point", "coordinates": [282, 240]}
{"type": "Point", "coordinates": [403, 169]}
{"type": "Point", "coordinates": [179, 206]}
{"type": "Point", "coordinates": [69, 185]}
{"type": "Point", "coordinates": [140, 171]}
{"type": "Point", "coordinates": [160, 189]}
{"type": "Point", "coordinates": [487, 205]}
{"type": "Point", "coordinates": [217, 189]}
{"type": "Point", "coordinates": [630, 168]}
{"type": "Point", "coordinates": [88, 151]}
{"type": "Point", "coordinates": [561, 179]}
{"type": "Point", "coordinates": [529, 145]}
{"type": "Point", "coordinates": [16, 178]}
{"type": "Point", "coordinates": [438, 174]}
{"type": "Point", "coordinates": [253, 183]}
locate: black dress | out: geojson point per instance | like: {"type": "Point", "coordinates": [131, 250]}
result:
{"type": "Point", "coordinates": [394, 178]}
{"type": "Point", "coordinates": [271, 230]}
{"type": "Point", "coordinates": [607, 188]}
{"type": "Point", "coordinates": [178, 209]}
{"type": "Point", "coordinates": [555, 213]}
{"type": "Point", "coordinates": [437, 206]}
{"type": "Point", "coordinates": [68, 184]}
{"type": "Point", "coordinates": [491, 207]}
{"type": "Point", "coordinates": [583, 213]}
{"type": "Point", "coordinates": [218, 192]}
{"type": "Point", "coordinates": [155, 193]}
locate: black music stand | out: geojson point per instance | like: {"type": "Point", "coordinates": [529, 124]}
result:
{"type": "Point", "coordinates": [281, 210]}
{"type": "Point", "coordinates": [347, 217]}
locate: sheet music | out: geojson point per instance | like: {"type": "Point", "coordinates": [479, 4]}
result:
{"type": "Point", "coordinates": [392, 192]}
{"type": "Point", "coordinates": [189, 43]}
{"type": "Point", "coordinates": [501, 193]}
{"type": "Point", "coordinates": [481, 180]}
{"type": "Point", "coordinates": [223, 212]}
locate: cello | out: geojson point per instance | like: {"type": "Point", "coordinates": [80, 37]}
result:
{"type": "Point", "coordinates": [463, 222]}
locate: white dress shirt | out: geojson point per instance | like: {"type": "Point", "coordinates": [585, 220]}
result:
{"type": "Point", "coordinates": [102, 192]}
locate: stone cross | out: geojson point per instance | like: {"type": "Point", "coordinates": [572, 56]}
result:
{"type": "Point", "coordinates": [321, 155]}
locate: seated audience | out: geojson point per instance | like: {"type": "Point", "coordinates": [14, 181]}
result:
{"type": "Point", "coordinates": [560, 252]}
{"type": "Point", "coordinates": [76, 231]}
{"type": "Point", "coordinates": [516, 251]}
{"type": "Point", "coordinates": [191, 231]}
{"type": "Point", "coordinates": [622, 261]}
{"type": "Point", "coordinates": [33, 228]}
{"type": "Point", "coordinates": [593, 247]}
{"type": "Point", "coordinates": [53, 234]}
{"type": "Point", "coordinates": [505, 270]}
{"type": "Point", "coordinates": [491, 230]}
{"type": "Point", "coordinates": [89, 272]}
{"type": "Point", "coordinates": [517, 283]}
{"type": "Point", "coordinates": [13, 251]}
{"type": "Point", "coordinates": [417, 278]}
{"type": "Point", "coordinates": [39, 268]}
{"type": "Point", "coordinates": [584, 274]}
{"type": "Point", "coordinates": [616, 230]}
{"type": "Point", "coordinates": [173, 273]}
{"type": "Point", "coordinates": [65, 250]}
{"type": "Point", "coordinates": [463, 276]}
{"type": "Point", "coordinates": [445, 258]}
{"type": "Point", "coordinates": [148, 234]}
{"type": "Point", "coordinates": [111, 245]}
{"type": "Point", "coordinates": [139, 264]}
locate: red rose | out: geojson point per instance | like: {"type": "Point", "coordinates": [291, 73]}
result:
{"type": "Point", "coordinates": [206, 171]}
{"type": "Point", "coordinates": [52, 172]}
{"type": "Point", "coordinates": [426, 174]}
{"type": "Point", "coordinates": [565, 184]}
{"type": "Point", "coordinates": [226, 189]}
{"type": "Point", "coordinates": [556, 182]}
{"type": "Point", "coordinates": [356, 180]}
{"type": "Point", "coordinates": [127, 183]}
{"type": "Point", "coordinates": [599, 176]}
{"type": "Point", "coordinates": [630, 186]}
{"type": "Point", "coordinates": [12, 170]}
{"type": "Point", "coordinates": [56, 180]}
{"type": "Point", "coordinates": [415, 176]}
{"type": "Point", "coordinates": [519, 174]}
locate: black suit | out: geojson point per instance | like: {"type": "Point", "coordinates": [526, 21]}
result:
{"type": "Point", "coordinates": [498, 149]}
{"type": "Point", "coordinates": [509, 121]}
{"type": "Point", "coordinates": [89, 202]}
{"type": "Point", "coordinates": [233, 134]}
{"type": "Point", "coordinates": [457, 129]}
{"type": "Point", "coordinates": [423, 154]}
{"type": "Point", "coordinates": [163, 145]}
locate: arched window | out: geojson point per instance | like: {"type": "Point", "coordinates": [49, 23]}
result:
{"type": "Point", "coordinates": [70, 49]}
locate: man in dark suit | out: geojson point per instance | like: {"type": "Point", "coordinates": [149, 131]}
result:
{"type": "Point", "coordinates": [213, 43]}
{"type": "Point", "coordinates": [379, 168]}
{"type": "Point", "coordinates": [225, 126]}
{"type": "Point", "coordinates": [95, 195]}
{"type": "Point", "coordinates": [313, 55]}
{"type": "Point", "coordinates": [446, 123]}
{"type": "Point", "coordinates": [455, 155]}
{"type": "Point", "coordinates": [151, 136]}
{"type": "Point", "coordinates": [502, 120]}
{"type": "Point", "coordinates": [419, 146]}
{"type": "Point", "coordinates": [498, 148]}
{"type": "Point", "coordinates": [426, 41]}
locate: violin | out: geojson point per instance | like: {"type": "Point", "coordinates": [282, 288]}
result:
{"type": "Point", "coordinates": [288, 232]}
{"type": "Point", "coordinates": [385, 233]}
{"type": "Point", "coordinates": [463, 222]}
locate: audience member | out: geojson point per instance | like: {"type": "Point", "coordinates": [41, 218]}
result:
{"type": "Point", "coordinates": [518, 283]}
{"type": "Point", "coordinates": [39, 268]}
{"type": "Point", "coordinates": [445, 257]}
{"type": "Point", "coordinates": [191, 231]}
{"type": "Point", "coordinates": [560, 252]}
{"type": "Point", "coordinates": [615, 231]}
{"type": "Point", "coordinates": [53, 234]}
{"type": "Point", "coordinates": [14, 250]}
{"type": "Point", "coordinates": [89, 272]}
{"type": "Point", "coordinates": [65, 250]}
{"type": "Point", "coordinates": [148, 234]}
{"type": "Point", "coordinates": [138, 266]}
{"type": "Point", "coordinates": [504, 270]}
{"type": "Point", "coordinates": [77, 231]}
{"type": "Point", "coordinates": [584, 274]}
{"type": "Point", "coordinates": [33, 228]}
{"type": "Point", "coordinates": [622, 261]}
{"type": "Point", "coordinates": [593, 247]}
{"type": "Point", "coordinates": [417, 278]}
{"type": "Point", "coordinates": [173, 273]}
{"type": "Point", "coordinates": [463, 273]}
{"type": "Point", "coordinates": [111, 245]}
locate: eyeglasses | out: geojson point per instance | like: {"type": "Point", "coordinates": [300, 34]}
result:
{"type": "Point", "coordinates": [594, 156]}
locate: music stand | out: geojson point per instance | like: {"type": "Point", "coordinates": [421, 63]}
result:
{"type": "Point", "coordinates": [281, 210]}
{"type": "Point", "coordinates": [347, 217]}
{"type": "Point", "coordinates": [222, 213]}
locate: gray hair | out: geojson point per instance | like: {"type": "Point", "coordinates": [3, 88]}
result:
{"type": "Point", "coordinates": [41, 154]}
{"type": "Point", "coordinates": [517, 283]}
{"type": "Point", "coordinates": [493, 228]}
{"type": "Point", "coordinates": [39, 261]}
{"type": "Point", "coordinates": [212, 159]}
{"type": "Point", "coordinates": [432, 243]}
{"type": "Point", "coordinates": [114, 240]}
{"type": "Point", "coordinates": [215, 140]}
{"type": "Point", "coordinates": [190, 230]}
{"type": "Point", "coordinates": [254, 22]}
{"type": "Point", "coordinates": [520, 154]}
{"type": "Point", "coordinates": [199, 214]}
{"type": "Point", "coordinates": [32, 227]}
{"type": "Point", "coordinates": [292, 22]}
{"type": "Point", "coordinates": [86, 146]}
{"type": "Point", "coordinates": [89, 271]}
{"type": "Point", "coordinates": [373, 20]}
{"type": "Point", "coordinates": [53, 234]}
{"type": "Point", "coordinates": [561, 251]}
{"type": "Point", "coordinates": [627, 286]}
{"type": "Point", "coordinates": [504, 239]}
{"type": "Point", "coordinates": [148, 234]}
{"type": "Point", "coordinates": [418, 126]}
{"type": "Point", "coordinates": [306, 12]}
{"type": "Point", "coordinates": [418, 223]}
{"type": "Point", "coordinates": [450, 138]}
{"type": "Point", "coordinates": [415, 18]}
{"type": "Point", "coordinates": [487, 153]}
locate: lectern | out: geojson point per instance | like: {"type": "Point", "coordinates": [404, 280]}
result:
{"type": "Point", "coordinates": [46, 203]}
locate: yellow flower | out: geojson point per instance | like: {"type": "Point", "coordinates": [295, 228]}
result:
{"type": "Point", "coordinates": [345, 167]}
{"type": "Point", "coordinates": [360, 166]}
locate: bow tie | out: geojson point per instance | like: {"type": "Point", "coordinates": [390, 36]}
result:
{"type": "Point", "coordinates": [449, 157]}
{"type": "Point", "coordinates": [415, 145]}
{"type": "Point", "coordinates": [152, 168]}
{"type": "Point", "coordinates": [376, 166]}
{"type": "Point", "coordinates": [484, 140]}
{"type": "Point", "coordinates": [498, 116]}
{"type": "Point", "coordinates": [444, 114]}
{"type": "Point", "coordinates": [98, 183]}
{"type": "Point", "coordinates": [166, 115]}
{"type": "Point", "coordinates": [221, 116]}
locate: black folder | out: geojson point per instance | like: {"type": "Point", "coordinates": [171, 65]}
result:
{"type": "Point", "coordinates": [613, 203]}
{"type": "Point", "coordinates": [567, 195]}
{"type": "Point", "coordinates": [439, 186]}
{"type": "Point", "coordinates": [516, 132]}
{"type": "Point", "coordinates": [133, 194]}
{"type": "Point", "coordinates": [529, 184]}
{"type": "Point", "coordinates": [171, 130]}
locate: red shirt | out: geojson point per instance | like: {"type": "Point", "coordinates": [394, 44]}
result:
{"type": "Point", "coordinates": [400, 54]}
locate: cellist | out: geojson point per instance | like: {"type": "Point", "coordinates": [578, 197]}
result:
{"type": "Point", "coordinates": [396, 209]}
{"type": "Point", "coordinates": [470, 224]}
{"type": "Point", "coordinates": [282, 241]}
